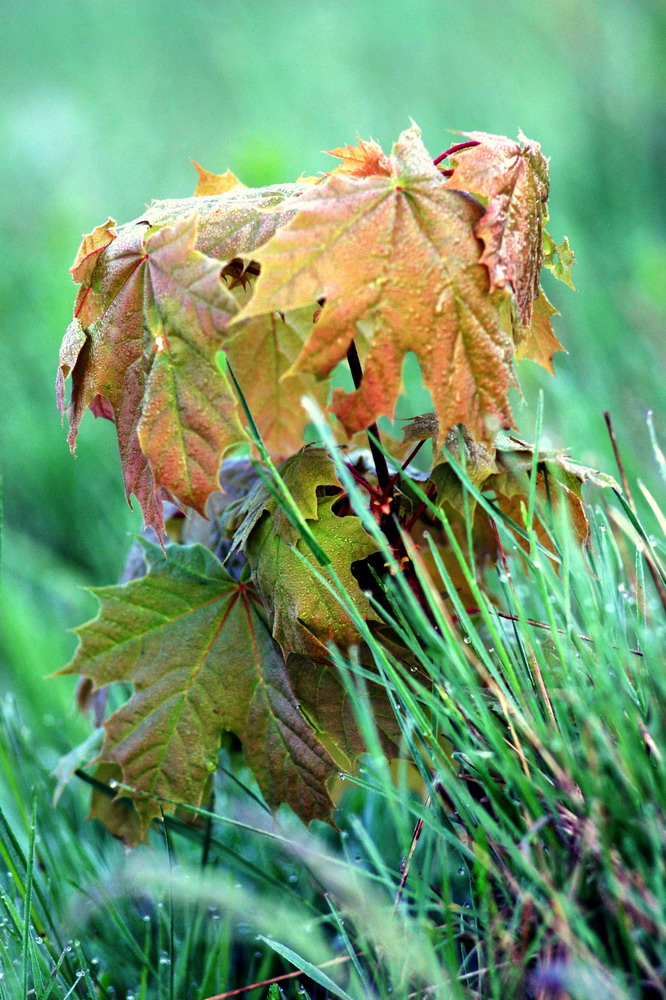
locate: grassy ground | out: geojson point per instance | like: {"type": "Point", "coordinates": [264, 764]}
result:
{"type": "Point", "coordinates": [526, 861]}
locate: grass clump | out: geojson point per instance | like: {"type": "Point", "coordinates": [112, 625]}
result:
{"type": "Point", "coordinates": [515, 850]}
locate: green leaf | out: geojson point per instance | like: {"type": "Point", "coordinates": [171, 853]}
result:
{"type": "Point", "coordinates": [559, 258]}
{"type": "Point", "coordinates": [304, 614]}
{"type": "Point", "coordinates": [306, 475]}
{"type": "Point", "coordinates": [232, 224]}
{"type": "Point", "coordinates": [196, 647]}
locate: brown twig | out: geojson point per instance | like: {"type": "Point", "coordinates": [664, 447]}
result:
{"type": "Point", "coordinates": [277, 979]}
{"type": "Point", "coordinates": [378, 457]}
{"type": "Point", "coordinates": [406, 861]}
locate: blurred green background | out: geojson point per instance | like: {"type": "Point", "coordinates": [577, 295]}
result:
{"type": "Point", "coordinates": [103, 101]}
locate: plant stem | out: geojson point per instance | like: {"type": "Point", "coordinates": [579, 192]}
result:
{"type": "Point", "coordinates": [630, 500]}
{"type": "Point", "coordinates": [381, 466]}
{"type": "Point", "coordinates": [455, 149]}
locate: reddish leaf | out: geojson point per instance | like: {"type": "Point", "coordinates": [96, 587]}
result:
{"type": "Point", "coordinates": [174, 411]}
{"type": "Point", "coordinates": [540, 343]}
{"type": "Point", "coordinates": [90, 249]}
{"type": "Point", "coordinates": [512, 180]}
{"type": "Point", "coordinates": [272, 390]}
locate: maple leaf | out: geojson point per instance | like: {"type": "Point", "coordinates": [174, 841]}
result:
{"type": "Point", "coordinates": [398, 251]}
{"type": "Point", "coordinates": [539, 342]}
{"type": "Point", "coordinates": [152, 355]}
{"type": "Point", "coordinates": [512, 178]}
{"type": "Point", "coordinates": [196, 647]}
{"type": "Point", "coordinates": [307, 475]}
{"type": "Point", "coordinates": [117, 813]}
{"type": "Point", "coordinates": [92, 245]}
{"type": "Point", "coordinates": [559, 481]}
{"type": "Point", "coordinates": [214, 183]}
{"type": "Point", "coordinates": [272, 390]}
{"type": "Point", "coordinates": [324, 699]}
{"type": "Point", "coordinates": [72, 344]}
{"type": "Point", "coordinates": [304, 614]}
{"type": "Point", "coordinates": [367, 159]}
{"type": "Point", "coordinates": [232, 224]}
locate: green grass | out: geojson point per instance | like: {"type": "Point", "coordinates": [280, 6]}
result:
{"type": "Point", "coordinates": [533, 767]}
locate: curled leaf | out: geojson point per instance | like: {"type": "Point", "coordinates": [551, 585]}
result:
{"type": "Point", "coordinates": [90, 249]}
{"type": "Point", "coordinates": [511, 177]}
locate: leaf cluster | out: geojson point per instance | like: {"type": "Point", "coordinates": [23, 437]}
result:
{"type": "Point", "coordinates": [197, 329]}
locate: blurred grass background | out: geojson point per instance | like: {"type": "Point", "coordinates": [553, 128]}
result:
{"type": "Point", "coordinates": [103, 103]}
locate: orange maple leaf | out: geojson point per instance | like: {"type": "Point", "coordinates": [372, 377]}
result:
{"type": "Point", "coordinates": [397, 253]}
{"type": "Point", "coordinates": [367, 159]}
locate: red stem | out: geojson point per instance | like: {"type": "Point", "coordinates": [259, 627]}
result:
{"type": "Point", "coordinates": [455, 149]}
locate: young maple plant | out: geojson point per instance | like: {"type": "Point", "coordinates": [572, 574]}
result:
{"type": "Point", "coordinates": [198, 328]}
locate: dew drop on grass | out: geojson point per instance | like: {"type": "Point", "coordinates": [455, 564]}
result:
{"type": "Point", "coordinates": [113, 783]}
{"type": "Point", "coordinates": [164, 959]}
{"type": "Point", "coordinates": [80, 973]}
